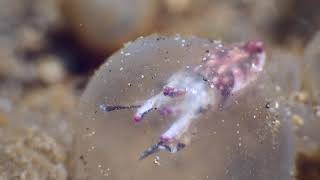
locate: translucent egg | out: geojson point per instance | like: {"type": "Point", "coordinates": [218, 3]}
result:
{"type": "Point", "coordinates": [312, 64]}
{"type": "Point", "coordinates": [104, 25]}
{"type": "Point", "coordinates": [241, 139]}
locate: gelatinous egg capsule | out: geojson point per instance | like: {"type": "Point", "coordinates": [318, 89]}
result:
{"type": "Point", "coordinates": [180, 97]}
{"type": "Point", "coordinates": [103, 26]}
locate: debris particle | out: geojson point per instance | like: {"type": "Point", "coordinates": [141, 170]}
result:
{"type": "Point", "coordinates": [302, 97]}
{"type": "Point", "coordinates": [297, 120]}
{"type": "Point", "coordinates": [267, 105]}
{"type": "Point", "coordinates": [51, 70]}
{"type": "Point", "coordinates": [156, 161]}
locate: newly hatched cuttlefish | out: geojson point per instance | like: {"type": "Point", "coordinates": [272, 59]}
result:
{"type": "Point", "coordinates": [225, 70]}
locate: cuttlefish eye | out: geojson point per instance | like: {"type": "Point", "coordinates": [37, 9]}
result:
{"type": "Point", "coordinates": [254, 47]}
{"type": "Point", "coordinates": [256, 51]}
